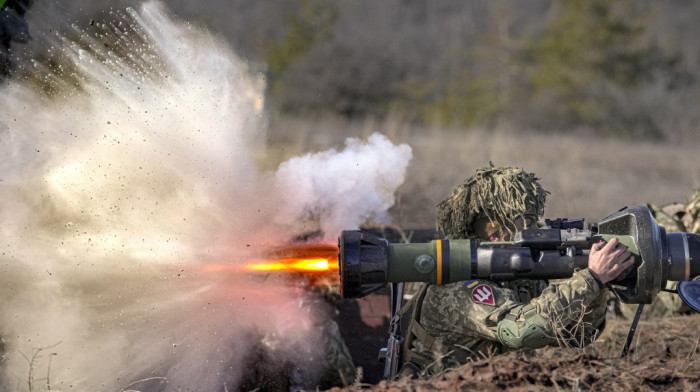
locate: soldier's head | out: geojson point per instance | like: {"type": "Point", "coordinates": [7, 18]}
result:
{"type": "Point", "coordinates": [492, 205]}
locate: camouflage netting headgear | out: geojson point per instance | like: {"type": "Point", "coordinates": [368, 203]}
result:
{"type": "Point", "coordinates": [501, 194]}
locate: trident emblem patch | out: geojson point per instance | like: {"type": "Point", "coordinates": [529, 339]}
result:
{"type": "Point", "coordinates": [483, 294]}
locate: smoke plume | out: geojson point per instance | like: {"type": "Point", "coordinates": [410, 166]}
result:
{"type": "Point", "coordinates": [125, 168]}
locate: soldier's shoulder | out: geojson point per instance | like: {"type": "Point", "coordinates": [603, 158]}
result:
{"type": "Point", "coordinates": [477, 292]}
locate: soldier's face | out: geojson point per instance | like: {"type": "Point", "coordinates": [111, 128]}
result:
{"type": "Point", "coordinates": [493, 232]}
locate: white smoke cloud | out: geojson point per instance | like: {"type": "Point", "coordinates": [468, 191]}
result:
{"type": "Point", "coordinates": [117, 192]}
{"type": "Point", "coordinates": [345, 188]}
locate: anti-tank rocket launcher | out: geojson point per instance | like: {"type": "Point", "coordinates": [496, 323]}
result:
{"type": "Point", "coordinates": [367, 263]}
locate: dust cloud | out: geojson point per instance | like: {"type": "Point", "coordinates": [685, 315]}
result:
{"type": "Point", "coordinates": [132, 172]}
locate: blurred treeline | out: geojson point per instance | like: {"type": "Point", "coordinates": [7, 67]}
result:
{"type": "Point", "coordinates": [620, 68]}
{"type": "Point", "coordinates": [613, 67]}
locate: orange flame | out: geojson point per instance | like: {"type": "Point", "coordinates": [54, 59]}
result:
{"type": "Point", "coordinates": [317, 262]}
{"type": "Point", "coordinates": [291, 265]}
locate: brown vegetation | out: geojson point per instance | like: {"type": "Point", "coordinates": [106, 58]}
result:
{"type": "Point", "coordinates": [663, 357]}
{"type": "Point", "coordinates": [588, 177]}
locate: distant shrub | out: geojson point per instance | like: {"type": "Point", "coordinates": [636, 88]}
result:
{"type": "Point", "coordinates": [312, 23]}
{"type": "Point", "coordinates": [589, 65]}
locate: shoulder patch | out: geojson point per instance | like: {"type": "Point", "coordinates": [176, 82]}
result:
{"type": "Point", "coordinates": [483, 294]}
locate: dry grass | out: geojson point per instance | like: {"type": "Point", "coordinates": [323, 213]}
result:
{"type": "Point", "coordinates": [664, 357]}
{"type": "Point", "coordinates": [588, 177]}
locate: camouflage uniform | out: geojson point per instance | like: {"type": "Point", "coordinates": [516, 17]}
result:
{"type": "Point", "coordinates": [679, 217]}
{"type": "Point", "coordinates": [455, 322]}
{"type": "Point", "coordinates": [275, 364]}
{"type": "Point", "coordinates": [333, 365]}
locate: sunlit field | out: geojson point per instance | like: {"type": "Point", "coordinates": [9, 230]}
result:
{"type": "Point", "coordinates": [588, 177]}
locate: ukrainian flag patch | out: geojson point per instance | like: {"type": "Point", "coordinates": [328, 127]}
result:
{"type": "Point", "coordinates": [471, 284]}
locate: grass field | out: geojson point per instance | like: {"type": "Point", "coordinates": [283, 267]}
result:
{"type": "Point", "coordinates": [588, 177]}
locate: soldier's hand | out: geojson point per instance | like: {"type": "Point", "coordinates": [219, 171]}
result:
{"type": "Point", "coordinates": [609, 260]}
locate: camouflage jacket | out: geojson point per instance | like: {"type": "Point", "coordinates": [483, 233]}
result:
{"type": "Point", "coordinates": [480, 318]}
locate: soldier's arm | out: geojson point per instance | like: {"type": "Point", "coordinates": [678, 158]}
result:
{"type": "Point", "coordinates": [572, 309]}
{"type": "Point", "coordinates": [570, 312]}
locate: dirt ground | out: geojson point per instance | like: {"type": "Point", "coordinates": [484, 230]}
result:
{"type": "Point", "coordinates": [663, 356]}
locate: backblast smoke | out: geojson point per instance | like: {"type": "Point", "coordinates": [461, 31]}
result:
{"type": "Point", "coordinates": [129, 175]}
